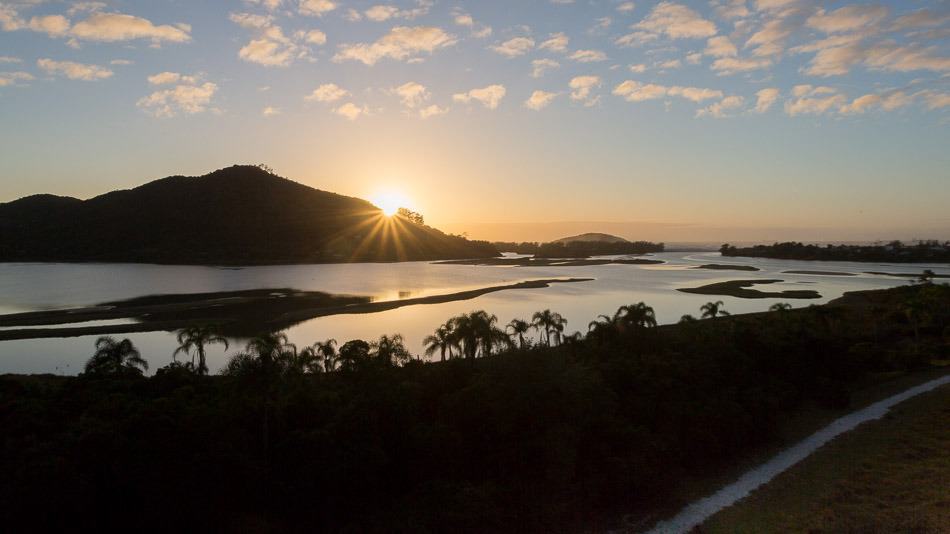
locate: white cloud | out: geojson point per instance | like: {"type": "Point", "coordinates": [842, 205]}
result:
{"type": "Point", "coordinates": [489, 96]}
{"type": "Point", "coordinates": [639, 68]}
{"type": "Point", "coordinates": [731, 65]}
{"type": "Point", "coordinates": [270, 47]}
{"type": "Point", "coordinates": [539, 100]}
{"type": "Point", "coordinates": [626, 7]}
{"type": "Point", "coordinates": [167, 78]}
{"type": "Point", "coordinates": [12, 78]}
{"type": "Point", "coordinates": [669, 64]}
{"type": "Point", "coordinates": [730, 9]}
{"type": "Point", "coordinates": [400, 44]}
{"type": "Point", "coordinates": [885, 56]}
{"type": "Point", "coordinates": [582, 88]}
{"type": "Point", "coordinates": [432, 111]}
{"type": "Point", "coordinates": [112, 27]}
{"type": "Point", "coordinates": [315, 37]}
{"type": "Point", "coordinates": [676, 21]}
{"type": "Point", "coordinates": [73, 70]}
{"type": "Point", "coordinates": [185, 98]}
{"type": "Point", "coordinates": [380, 13]}
{"type": "Point", "coordinates": [556, 42]}
{"type": "Point", "coordinates": [52, 25]}
{"type": "Point", "coordinates": [722, 108]}
{"type": "Point", "coordinates": [847, 18]}
{"type": "Point", "coordinates": [316, 8]}
{"type": "Point", "coordinates": [412, 94]}
{"type": "Point", "coordinates": [694, 58]}
{"type": "Point", "coordinates": [720, 46]}
{"type": "Point", "coordinates": [9, 59]}
{"type": "Point", "coordinates": [351, 111]}
{"type": "Point", "coordinates": [588, 56]}
{"type": "Point", "coordinates": [765, 98]}
{"type": "Point", "coordinates": [514, 47]}
{"type": "Point", "coordinates": [634, 91]}
{"type": "Point", "coordinates": [270, 111]}
{"type": "Point", "coordinates": [539, 66]}
{"type": "Point", "coordinates": [328, 92]}
{"type": "Point", "coordinates": [934, 99]}
{"type": "Point", "coordinates": [122, 62]}
{"type": "Point", "coordinates": [810, 100]}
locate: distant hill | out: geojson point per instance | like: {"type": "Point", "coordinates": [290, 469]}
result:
{"type": "Point", "coordinates": [591, 238]}
{"type": "Point", "coordinates": [237, 215]}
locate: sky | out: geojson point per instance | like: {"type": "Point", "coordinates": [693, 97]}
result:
{"type": "Point", "coordinates": [503, 119]}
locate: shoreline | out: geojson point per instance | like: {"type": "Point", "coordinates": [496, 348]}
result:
{"type": "Point", "coordinates": [291, 315]}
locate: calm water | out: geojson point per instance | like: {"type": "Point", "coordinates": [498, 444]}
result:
{"type": "Point", "coordinates": [29, 287]}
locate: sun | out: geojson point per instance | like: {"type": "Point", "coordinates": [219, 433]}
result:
{"type": "Point", "coordinates": [390, 201]}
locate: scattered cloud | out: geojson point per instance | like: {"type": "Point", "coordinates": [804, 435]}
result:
{"type": "Point", "coordinates": [351, 111]}
{"type": "Point", "coordinates": [634, 91]}
{"type": "Point", "coordinates": [186, 98]}
{"type": "Point", "coordinates": [73, 70]}
{"type": "Point", "coordinates": [676, 21]}
{"type": "Point", "coordinates": [847, 18]}
{"type": "Point", "coordinates": [765, 98]}
{"type": "Point", "coordinates": [540, 66]}
{"type": "Point", "coordinates": [515, 47]}
{"type": "Point", "coordinates": [539, 100]}
{"type": "Point", "coordinates": [721, 109]}
{"type": "Point", "coordinates": [432, 111]}
{"type": "Point", "coordinates": [720, 46]}
{"type": "Point", "coordinates": [316, 8]}
{"type": "Point", "coordinates": [588, 56]}
{"type": "Point", "coordinates": [13, 78]}
{"type": "Point", "coordinates": [328, 92]}
{"type": "Point", "coordinates": [731, 65]}
{"type": "Point", "coordinates": [489, 96]}
{"type": "Point", "coordinates": [626, 7]}
{"type": "Point", "coordinates": [556, 42]}
{"type": "Point", "coordinates": [401, 43]}
{"type": "Point", "coordinates": [582, 88]}
{"type": "Point", "coordinates": [270, 111]}
{"type": "Point", "coordinates": [810, 100]}
{"type": "Point", "coordinates": [411, 94]}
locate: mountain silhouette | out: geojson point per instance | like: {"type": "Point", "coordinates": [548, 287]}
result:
{"type": "Point", "coordinates": [238, 215]}
{"type": "Point", "coordinates": [591, 238]}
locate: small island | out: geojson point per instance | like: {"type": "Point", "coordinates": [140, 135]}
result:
{"type": "Point", "coordinates": [727, 267]}
{"type": "Point", "coordinates": [740, 288]}
{"type": "Point", "coordinates": [581, 246]}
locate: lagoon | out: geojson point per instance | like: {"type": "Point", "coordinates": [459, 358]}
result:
{"type": "Point", "coordinates": [49, 286]}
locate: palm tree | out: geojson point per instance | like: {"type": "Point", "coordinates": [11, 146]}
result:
{"type": "Point", "coordinates": [193, 340]}
{"type": "Point", "coordinates": [548, 322]}
{"type": "Point", "coordinates": [353, 353]}
{"type": "Point", "coordinates": [272, 350]}
{"type": "Point", "coordinates": [713, 309]}
{"type": "Point", "coordinates": [465, 334]}
{"type": "Point", "coordinates": [487, 334]}
{"type": "Point", "coordinates": [687, 319]}
{"type": "Point", "coordinates": [116, 357]}
{"type": "Point", "coordinates": [391, 349]}
{"type": "Point", "coordinates": [441, 340]}
{"type": "Point", "coordinates": [518, 327]}
{"type": "Point", "coordinates": [635, 316]}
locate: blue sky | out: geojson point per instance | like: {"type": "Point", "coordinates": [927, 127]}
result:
{"type": "Point", "coordinates": [754, 119]}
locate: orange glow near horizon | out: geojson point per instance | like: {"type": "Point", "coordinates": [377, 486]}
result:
{"type": "Point", "coordinates": [390, 201]}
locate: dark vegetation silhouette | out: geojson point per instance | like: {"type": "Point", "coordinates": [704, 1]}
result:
{"type": "Point", "coordinates": [221, 218]}
{"type": "Point", "coordinates": [507, 434]}
{"type": "Point", "coordinates": [922, 252]}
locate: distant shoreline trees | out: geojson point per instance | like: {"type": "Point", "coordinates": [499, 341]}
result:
{"type": "Point", "coordinates": [895, 251]}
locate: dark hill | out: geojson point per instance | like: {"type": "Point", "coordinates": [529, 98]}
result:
{"type": "Point", "coordinates": [237, 215]}
{"type": "Point", "coordinates": [592, 237]}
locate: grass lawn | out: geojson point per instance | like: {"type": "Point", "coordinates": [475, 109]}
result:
{"type": "Point", "coordinates": [889, 475]}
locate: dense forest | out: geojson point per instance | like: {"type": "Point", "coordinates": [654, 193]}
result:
{"type": "Point", "coordinates": [239, 215]}
{"type": "Point", "coordinates": [498, 434]}
{"type": "Point", "coordinates": [579, 249]}
{"type": "Point", "coordinates": [895, 251]}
